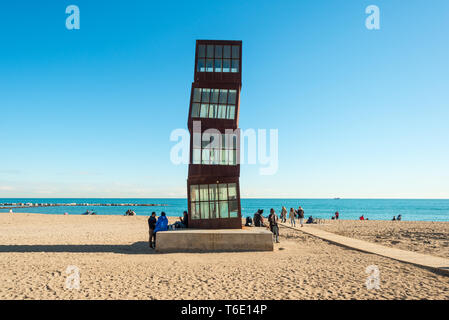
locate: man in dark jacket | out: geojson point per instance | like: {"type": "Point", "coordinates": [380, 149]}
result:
{"type": "Point", "coordinates": [258, 218]}
{"type": "Point", "coordinates": [151, 226]}
{"type": "Point", "coordinates": [273, 220]}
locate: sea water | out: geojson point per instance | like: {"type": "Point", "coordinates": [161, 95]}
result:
{"type": "Point", "coordinates": [374, 209]}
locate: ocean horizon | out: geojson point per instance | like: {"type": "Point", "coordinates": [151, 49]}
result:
{"type": "Point", "coordinates": [349, 209]}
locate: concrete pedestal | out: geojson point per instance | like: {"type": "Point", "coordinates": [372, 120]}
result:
{"type": "Point", "coordinates": [231, 240]}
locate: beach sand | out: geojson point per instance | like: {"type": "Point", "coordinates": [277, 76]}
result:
{"type": "Point", "coordinates": [419, 236]}
{"type": "Point", "coordinates": [115, 263]}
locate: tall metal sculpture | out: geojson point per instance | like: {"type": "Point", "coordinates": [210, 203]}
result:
{"type": "Point", "coordinates": [213, 182]}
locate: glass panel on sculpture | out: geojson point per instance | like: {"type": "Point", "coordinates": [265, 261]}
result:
{"type": "Point", "coordinates": [205, 159]}
{"type": "Point", "coordinates": [204, 210]}
{"type": "Point", "coordinates": [223, 191]}
{"type": "Point", "coordinates": [216, 158]}
{"type": "Point", "coordinates": [226, 51]}
{"type": "Point", "coordinates": [213, 192]}
{"type": "Point", "coordinates": [196, 94]}
{"type": "Point", "coordinates": [235, 52]}
{"type": "Point", "coordinates": [224, 213]}
{"type": "Point", "coordinates": [234, 209]}
{"type": "Point", "coordinates": [195, 110]}
{"type": "Point", "coordinates": [231, 112]}
{"type": "Point", "coordinates": [196, 156]}
{"type": "Point", "coordinates": [223, 96]}
{"type": "Point", "coordinates": [194, 193]}
{"type": "Point", "coordinates": [210, 51]}
{"type": "Point", "coordinates": [201, 65]}
{"type": "Point", "coordinates": [232, 189]}
{"type": "Point", "coordinates": [193, 212]}
{"type": "Point", "coordinates": [204, 110]}
{"type": "Point", "coordinates": [226, 65]}
{"type": "Point", "coordinates": [210, 65]}
{"type": "Point", "coordinates": [205, 95]}
{"type": "Point", "coordinates": [214, 95]}
{"type": "Point", "coordinates": [202, 51]}
{"type": "Point", "coordinates": [232, 96]}
{"type": "Point", "coordinates": [235, 65]}
{"type": "Point", "coordinates": [213, 109]}
{"type": "Point", "coordinates": [221, 111]}
{"type": "Point", "coordinates": [213, 213]}
{"type": "Point", "coordinates": [204, 192]}
{"type": "Point", "coordinates": [218, 51]}
{"type": "Point", "coordinates": [232, 157]}
{"type": "Point", "coordinates": [217, 65]}
{"type": "Point", "coordinates": [197, 209]}
{"type": "Point", "coordinates": [224, 157]}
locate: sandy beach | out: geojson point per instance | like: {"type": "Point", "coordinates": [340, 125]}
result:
{"type": "Point", "coordinates": [115, 261]}
{"type": "Point", "coordinates": [418, 236]}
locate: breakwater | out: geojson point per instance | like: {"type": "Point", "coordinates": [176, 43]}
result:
{"type": "Point", "coordinates": [40, 205]}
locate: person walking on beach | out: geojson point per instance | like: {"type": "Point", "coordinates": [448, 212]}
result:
{"type": "Point", "coordinates": [337, 214]}
{"type": "Point", "coordinates": [273, 220]}
{"type": "Point", "coordinates": [151, 226]}
{"type": "Point", "coordinates": [291, 216]}
{"type": "Point", "coordinates": [301, 216]}
{"type": "Point", "coordinates": [284, 214]}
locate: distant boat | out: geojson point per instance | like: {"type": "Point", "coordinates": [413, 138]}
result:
{"type": "Point", "coordinates": [336, 198]}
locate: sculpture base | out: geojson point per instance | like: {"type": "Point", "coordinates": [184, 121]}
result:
{"type": "Point", "coordinates": [229, 240]}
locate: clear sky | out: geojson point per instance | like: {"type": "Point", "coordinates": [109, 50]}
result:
{"type": "Point", "coordinates": [361, 113]}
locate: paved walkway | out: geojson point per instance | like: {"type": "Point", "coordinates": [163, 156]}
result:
{"type": "Point", "coordinates": [438, 264]}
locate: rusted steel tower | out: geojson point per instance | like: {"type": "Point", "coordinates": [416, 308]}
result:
{"type": "Point", "coordinates": [213, 182]}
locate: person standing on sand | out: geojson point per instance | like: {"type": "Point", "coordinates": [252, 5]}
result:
{"type": "Point", "coordinates": [284, 214]}
{"type": "Point", "coordinates": [301, 216]}
{"type": "Point", "coordinates": [151, 226]}
{"type": "Point", "coordinates": [337, 214]}
{"type": "Point", "coordinates": [273, 220]}
{"type": "Point", "coordinates": [291, 216]}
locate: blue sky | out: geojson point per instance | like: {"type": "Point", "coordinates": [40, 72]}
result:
{"type": "Point", "coordinates": [360, 113]}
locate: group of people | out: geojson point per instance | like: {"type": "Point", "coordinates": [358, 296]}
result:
{"type": "Point", "coordinates": [399, 218]}
{"type": "Point", "coordinates": [88, 212]}
{"type": "Point", "coordinates": [293, 215]}
{"type": "Point", "coordinates": [273, 219]}
{"type": "Point", "coordinates": [130, 212]}
{"type": "Point", "coordinates": [156, 224]}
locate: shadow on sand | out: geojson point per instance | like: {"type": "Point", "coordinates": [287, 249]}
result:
{"type": "Point", "coordinates": [140, 247]}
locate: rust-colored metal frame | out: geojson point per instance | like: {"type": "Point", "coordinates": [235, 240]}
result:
{"type": "Point", "coordinates": [211, 174]}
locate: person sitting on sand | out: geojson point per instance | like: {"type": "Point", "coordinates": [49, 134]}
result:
{"type": "Point", "coordinates": [86, 213]}
{"type": "Point", "coordinates": [362, 217]}
{"type": "Point", "coordinates": [309, 221]}
{"type": "Point", "coordinates": [292, 216]}
{"type": "Point", "coordinates": [399, 217]}
{"type": "Point", "coordinates": [273, 220]}
{"type": "Point", "coordinates": [394, 218]}
{"type": "Point", "coordinates": [151, 226]}
{"type": "Point", "coordinates": [249, 222]}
